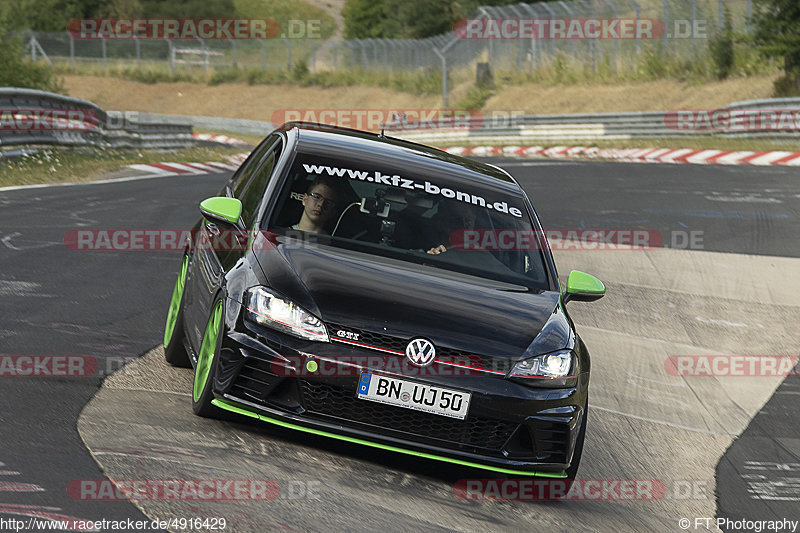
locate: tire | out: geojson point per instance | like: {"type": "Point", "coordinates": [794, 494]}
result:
{"type": "Point", "coordinates": [207, 357]}
{"type": "Point", "coordinates": [174, 350]}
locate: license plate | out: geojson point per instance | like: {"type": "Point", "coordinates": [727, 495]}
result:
{"type": "Point", "coordinates": [412, 395]}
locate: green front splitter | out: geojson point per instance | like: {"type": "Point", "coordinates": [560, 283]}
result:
{"type": "Point", "coordinates": [229, 406]}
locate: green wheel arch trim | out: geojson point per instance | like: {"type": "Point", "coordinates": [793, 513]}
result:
{"type": "Point", "coordinates": [581, 282]}
{"type": "Point", "coordinates": [224, 404]}
{"type": "Point", "coordinates": [175, 303]}
{"type": "Point", "coordinates": [207, 349]}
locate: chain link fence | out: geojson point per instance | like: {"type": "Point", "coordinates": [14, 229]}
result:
{"type": "Point", "coordinates": [679, 29]}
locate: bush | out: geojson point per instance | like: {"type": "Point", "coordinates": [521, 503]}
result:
{"type": "Point", "coordinates": [721, 48]}
{"type": "Point", "coordinates": [15, 71]}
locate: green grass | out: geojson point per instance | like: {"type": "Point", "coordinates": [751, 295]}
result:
{"type": "Point", "coordinates": [652, 63]}
{"type": "Point", "coordinates": [60, 165]}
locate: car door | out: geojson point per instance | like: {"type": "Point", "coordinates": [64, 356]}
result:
{"type": "Point", "coordinates": [219, 249]}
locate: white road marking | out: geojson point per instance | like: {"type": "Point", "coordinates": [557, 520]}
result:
{"type": "Point", "coordinates": [720, 322]}
{"type": "Point", "coordinates": [662, 422]}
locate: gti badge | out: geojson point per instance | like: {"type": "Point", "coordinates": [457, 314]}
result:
{"type": "Point", "coordinates": [420, 352]}
{"type": "Point", "coordinates": [347, 335]}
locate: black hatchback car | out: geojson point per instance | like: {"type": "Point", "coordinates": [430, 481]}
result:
{"type": "Point", "coordinates": [385, 293]}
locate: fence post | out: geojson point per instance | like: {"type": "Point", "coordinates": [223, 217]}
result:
{"type": "Point", "coordinates": [72, 51]}
{"type": "Point", "coordinates": [105, 53]}
{"type": "Point", "coordinates": [749, 16]}
{"type": "Point", "coordinates": [552, 15]}
{"type": "Point", "coordinates": [171, 58]}
{"type": "Point", "coordinates": [204, 54]}
{"type": "Point", "coordinates": [264, 54]}
{"type": "Point", "coordinates": [444, 76]}
{"type": "Point", "coordinates": [520, 47]}
{"type": "Point", "coordinates": [233, 46]}
{"type": "Point", "coordinates": [313, 57]}
{"type": "Point", "coordinates": [616, 41]}
{"type": "Point", "coordinates": [694, 17]}
{"type": "Point", "coordinates": [138, 53]}
{"type": "Point", "coordinates": [32, 44]}
{"type": "Point", "coordinates": [638, 9]}
{"type": "Point", "coordinates": [570, 14]}
{"type": "Point", "coordinates": [289, 53]}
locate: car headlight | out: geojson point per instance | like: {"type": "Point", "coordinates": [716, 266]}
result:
{"type": "Point", "coordinates": [267, 308]}
{"type": "Point", "coordinates": [550, 365]}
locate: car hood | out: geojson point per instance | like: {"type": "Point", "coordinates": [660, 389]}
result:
{"type": "Point", "coordinates": [401, 299]}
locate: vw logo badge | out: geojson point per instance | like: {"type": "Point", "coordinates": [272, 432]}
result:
{"type": "Point", "coordinates": [420, 352]}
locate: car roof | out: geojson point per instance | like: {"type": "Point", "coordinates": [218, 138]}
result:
{"type": "Point", "coordinates": [365, 147]}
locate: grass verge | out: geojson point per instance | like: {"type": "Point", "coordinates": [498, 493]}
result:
{"type": "Point", "coordinates": [59, 165]}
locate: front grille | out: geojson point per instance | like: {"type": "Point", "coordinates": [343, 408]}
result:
{"type": "Point", "coordinates": [444, 354]}
{"type": "Point", "coordinates": [328, 400]}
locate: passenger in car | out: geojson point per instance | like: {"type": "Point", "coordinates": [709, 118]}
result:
{"type": "Point", "coordinates": [451, 217]}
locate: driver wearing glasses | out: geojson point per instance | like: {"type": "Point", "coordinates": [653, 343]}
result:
{"type": "Point", "coordinates": [319, 205]}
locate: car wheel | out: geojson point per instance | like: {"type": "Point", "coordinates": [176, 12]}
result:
{"type": "Point", "coordinates": [174, 350]}
{"type": "Point", "coordinates": [202, 393]}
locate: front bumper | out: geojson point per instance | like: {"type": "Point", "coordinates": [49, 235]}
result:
{"type": "Point", "coordinates": [510, 428]}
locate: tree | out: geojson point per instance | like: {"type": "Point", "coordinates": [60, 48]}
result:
{"type": "Point", "coordinates": [777, 35]}
{"type": "Point", "coordinates": [407, 19]}
{"type": "Point", "coordinates": [722, 51]}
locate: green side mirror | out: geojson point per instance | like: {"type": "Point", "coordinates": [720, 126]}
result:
{"type": "Point", "coordinates": [221, 209]}
{"type": "Point", "coordinates": [583, 287]}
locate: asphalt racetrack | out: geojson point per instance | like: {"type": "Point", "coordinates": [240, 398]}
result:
{"type": "Point", "coordinates": [722, 281]}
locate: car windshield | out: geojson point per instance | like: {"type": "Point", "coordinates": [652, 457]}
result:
{"type": "Point", "coordinates": [454, 225]}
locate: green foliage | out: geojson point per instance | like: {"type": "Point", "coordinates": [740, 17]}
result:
{"type": "Point", "coordinates": [284, 10]}
{"type": "Point", "coordinates": [475, 98]}
{"type": "Point", "coordinates": [300, 71]}
{"type": "Point", "coordinates": [365, 19]}
{"type": "Point", "coordinates": [409, 19]}
{"type": "Point", "coordinates": [777, 35]}
{"type": "Point", "coordinates": [189, 8]}
{"type": "Point", "coordinates": [18, 72]}
{"type": "Point", "coordinates": [652, 64]}
{"type": "Point", "coordinates": [721, 49]}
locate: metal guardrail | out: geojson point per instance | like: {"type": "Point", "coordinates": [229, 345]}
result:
{"type": "Point", "coordinates": [30, 117]}
{"type": "Point", "coordinates": [215, 124]}
{"type": "Point", "coordinates": [748, 119]}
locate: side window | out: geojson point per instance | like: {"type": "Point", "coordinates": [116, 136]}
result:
{"type": "Point", "coordinates": [254, 190]}
{"type": "Point", "coordinates": [241, 181]}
